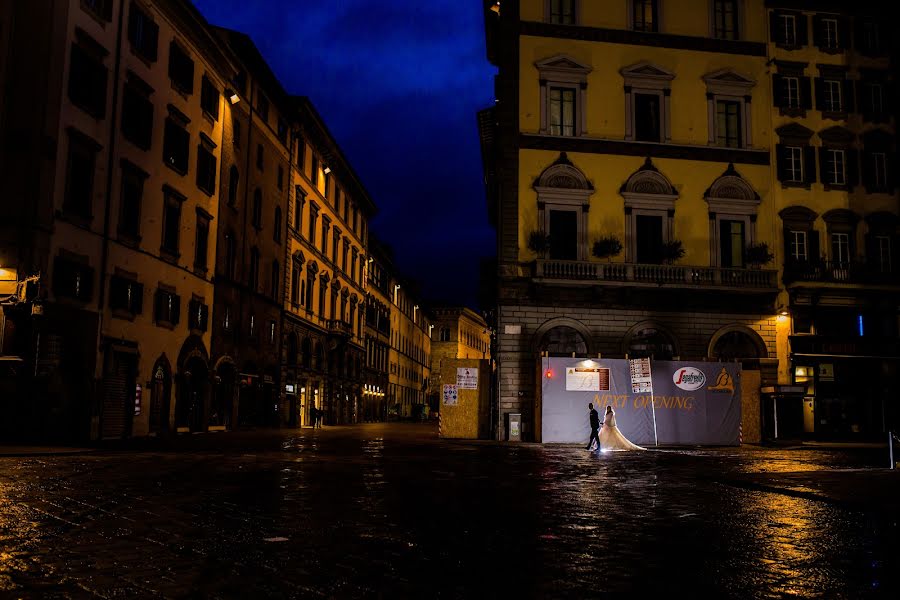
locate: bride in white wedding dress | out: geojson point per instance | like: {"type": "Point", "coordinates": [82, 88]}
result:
{"type": "Point", "coordinates": [610, 436]}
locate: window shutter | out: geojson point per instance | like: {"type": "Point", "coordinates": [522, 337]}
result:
{"type": "Point", "coordinates": [820, 94]}
{"type": "Point", "coordinates": [781, 162]}
{"type": "Point", "coordinates": [809, 164]}
{"type": "Point", "coordinates": [774, 32]}
{"type": "Point", "coordinates": [895, 253]}
{"type": "Point", "coordinates": [823, 165]}
{"type": "Point", "coordinates": [779, 94]}
{"type": "Point", "coordinates": [847, 90]}
{"type": "Point", "coordinates": [868, 173]}
{"type": "Point", "coordinates": [802, 35]}
{"type": "Point", "coordinates": [137, 298]}
{"type": "Point", "coordinates": [891, 164]}
{"type": "Point", "coordinates": [843, 33]}
{"type": "Point", "coordinates": [132, 22]}
{"type": "Point", "coordinates": [158, 298]}
{"type": "Point", "coordinates": [151, 33]}
{"type": "Point", "coordinates": [859, 37]}
{"type": "Point", "coordinates": [852, 167]}
{"type": "Point", "coordinates": [786, 237]}
{"type": "Point", "coordinates": [116, 293]}
{"type": "Point", "coordinates": [204, 317]}
{"type": "Point", "coordinates": [805, 96]}
{"type": "Point", "coordinates": [176, 309]}
{"type": "Point", "coordinates": [817, 30]}
{"type": "Point", "coordinates": [87, 283]}
{"type": "Point", "coordinates": [813, 240]}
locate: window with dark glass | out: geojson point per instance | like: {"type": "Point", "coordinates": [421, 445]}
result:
{"type": "Point", "coordinates": [794, 164]}
{"type": "Point", "coordinates": [262, 106]}
{"type": "Point", "coordinates": [788, 91]}
{"type": "Point", "coordinates": [87, 78]}
{"type": "Point", "coordinates": [873, 101]}
{"type": "Point", "coordinates": [130, 201]}
{"type": "Point", "coordinates": [647, 122]}
{"type": "Point", "coordinates": [274, 281]}
{"type": "Point", "coordinates": [834, 167]}
{"type": "Point", "coordinates": [143, 33]}
{"type": "Point", "coordinates": [831, 96]}
{"type": "Point", "coordinates": [102, 9]}
{"type": "Point", "coordinates": [199, 315]}
{"type": "Point", "coordinates": [181, 69]}
{"type": "Point", "coordinates": [209, 98]}
{"type": "Point", "coordinates": [315, 171]}
{"type": "Point", "coordinates": [869, 39]}
{"type": "Point", "coordinates": [176, 146]}
{"type": "Point", "coordinates": [253, 272]}
{"type": "Point", "coordinates": [828, 35]}
{"type": "Point", "coordinates": [732, 239]}
{"type": "Point", "coordinates": [310, 283]}
{"type": "Point", "coordinates": [257, 208]}
{"type": "Point", "coordinates": [206, 166]}
{"type": "Point", "coordinates": [563, 235]}
{"type": "Point", "coordinates": [336, 242]}
{"type": "Point", "coordinates": [171, 222]}
{"type": "Point", "coordinates": [201, 245]}
{"type": "Point", "coordinates": [137, 112]}
{"type": "Point", "coordinates": [299, 201]}
{"type": "Point", "coordinates": [80, 163]}
{"type": "Point", "coordinates": [276, 234]}
{"type": "Point", "coordinates": [798, 246]}
{"type": "Point", "coordinates": [72, 279]}
{"type": "Point", "coordinates": [126, 295]}
{"type": "Point", "coordinates": [644, 15]}
{"type": "Point", "coordinates": [562, 111]}
{"type": "Point", "coordinates": [295, 282]}
{"type": "Point", "coordinates": [562, 12]}
{"type": "Point", "coordinates": [840, 248]}
{"type": "Point", "coordinates": [313, 217]}
{"type": "Point", "coordinates": [282, 130]}
{"type": "Point", "coordinates": [882, 253]}
{"type": "Point", "coordinates": [728, 123]}
{"type": "Point", "coordinates": [725, 19]}
{"type": "Point", "coordinates": [879, 169]}
{"type": "Point", "coordinates": [649, 233]}
{"type": "Point", "coordinates": [166, 307]}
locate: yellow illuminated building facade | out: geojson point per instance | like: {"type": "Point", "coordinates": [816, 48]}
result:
{"type": "Point", "coordinates": [409, 357]}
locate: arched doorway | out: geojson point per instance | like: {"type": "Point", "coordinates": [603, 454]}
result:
{"type": "Point", "coordinates": [192, 402]}
{"type": "Point", "coordinates": [160, 395]}
{"type": "Point", "coordinates": [650, 340]}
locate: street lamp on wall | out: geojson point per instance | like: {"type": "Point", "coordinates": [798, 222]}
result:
{"type": "Point", "coordinates": [232, 96]}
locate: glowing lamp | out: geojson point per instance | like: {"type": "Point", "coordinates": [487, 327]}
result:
{"type": "Point", "coordinates": [549, 374]}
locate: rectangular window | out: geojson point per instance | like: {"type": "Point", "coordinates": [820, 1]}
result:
{"type": "Point", "coordinates": [835, 173]}
{"type": "Point", "coordinates": [295, 283]}
{"type": "Point", "coordinates": [883, 250]}
{"type": "Point", "coordinates": [649, 233]}
{"type": "Point", "coordinates": [335, 246]}
{"type": "Point", "coordinates": [725, 19]}
{"type": "Point", "coordinates": [130, 202]}
{"type": "Point", "coordinates": [198, 315]}
{"type": "Point", "coordinates": [209, 98]}
{"type": "Point", "coordinates": [875, 97]}
{"type": "Point", "coordinates": [871, 36]}
{"type": "Point", "coordinates": [299, 201]}
{"type": "Point", "coordinates": [644, 15]}
{"type": "Point", "coordinates": [126, 295]}
{"type": "Point", "coordinates": [143, 33]}
{"type": "Point", "coordinates": [563, 235]}
{"type": "Point", "coordinates": [315, 172]}
{"type": "Point", "coordinates": [206, 168]}
{"type": "Point", "coordinates": [647, 122]}
{"type": "Point", "coordinates": [176, 146]}
{"type": "Point", "coordinates": [324, 241]}
{"type": "Point", "coordinates": [798, 246]}
{"type": "Point", "coordinates": [562, 12]}
{"type": "Point", "coordinates": [181, 69]}
{"type": "Point", "coordinates": [562, 111]}
{"type": "Point", "coordinates": [171, 224]}
{"type": "Point", "coordinates": [728, 123]}
{"type": "Point", "coordinates": [79, 197]}
{"type": "Point", "coordinates": [831, 95]}
{"type": "Point", "coordinates": [167, 307]}
{"type": "Point", "coordinates": [313, 217]}
{"type": "Point", "coordinates": [87, 81]}
{"type": "Point", "coordinates": [102, 9]}
{"type": "Point", "coordinates": [732, 238]}
{"type": "Point", "coordinates": [72, 279]}
{"type": "Point", "coordinates": [282, 130]}
{"type": "Point", "coordinates": [201, 245]}
{"type": "Point", "coordinates": [137, 113]}
{"type": "Point", "coordinates": [787, 29]}
{"type": "Point", "coordinates": [830, 33]}
{"type": "Point", "coordinates": [840, 248]}
{"type": "Point", "coordinates": [879, 169]}
{"type": "Point", "coordinates": [791, 92]}
{"type": "Point", "coordinates": [262, 106]}
{"type": "Point", "coordinates": [794, 164]}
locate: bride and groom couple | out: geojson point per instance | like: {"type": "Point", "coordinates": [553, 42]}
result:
{"type": "Point", "coordinates": [609, 438]}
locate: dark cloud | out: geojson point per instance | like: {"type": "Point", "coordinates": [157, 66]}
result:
{"type": "Point", "coordinates": [398, 84]}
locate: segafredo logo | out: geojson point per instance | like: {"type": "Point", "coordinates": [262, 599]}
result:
{"type": "Point", "coordinates": [689, 378]}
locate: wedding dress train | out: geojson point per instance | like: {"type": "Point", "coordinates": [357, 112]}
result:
{"type": "Point", "coordinates": [611, 438]}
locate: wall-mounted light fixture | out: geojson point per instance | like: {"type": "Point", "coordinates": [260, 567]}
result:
{"type": "Point", "coordinates": [232, 96]}
{"type": "Point", "coordinates": [326, 170]}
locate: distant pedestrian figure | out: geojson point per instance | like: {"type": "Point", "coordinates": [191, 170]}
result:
{"type": "Point", "coordinates": [319, 414]}
{"type": "Point", "coordinates": [314, 416]}
{"type": "Point", "coordinates": [595, 427]}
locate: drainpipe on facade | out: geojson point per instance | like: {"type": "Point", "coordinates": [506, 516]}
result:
{"type": "Point", "coordinates": [244, 222]}
{"type": "Point", "coordinates": [285, 269]}
{"type": "Point", "coordinates": [104, 253]}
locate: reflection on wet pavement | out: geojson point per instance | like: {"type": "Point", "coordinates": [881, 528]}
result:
{"type": "Point", "coordinates": [390, 511]}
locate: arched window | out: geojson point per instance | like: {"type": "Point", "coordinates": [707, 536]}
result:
{"type": "Point", "coordinates": [277, 233]}
{"type": "Point", "coordinates": [563, 340]}
{"type": "Point", "coordinates": [648, 340]}
{"type": "Point", "coordinates": [257, 208]}
{"type": "Point", "coordinates": [233, 179]}
{"type": "Point", "coordinates": [733, 345]}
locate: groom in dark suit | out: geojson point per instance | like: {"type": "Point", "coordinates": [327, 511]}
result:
{"type": "Point", "coordinates": [595, 426]}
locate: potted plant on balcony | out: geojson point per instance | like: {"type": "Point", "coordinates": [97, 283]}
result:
{"type": "Point", "coordinates": [757, 255]}
{"type": "Point", "coordinates": [672, 251]}
{"type": "Point", "coordinates": [539, 243]}
{"type": "Point", "coordinates": [607, 247]}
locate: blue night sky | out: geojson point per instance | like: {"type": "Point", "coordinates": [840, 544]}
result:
{"type": "Point", "coordinates": [398, 84]}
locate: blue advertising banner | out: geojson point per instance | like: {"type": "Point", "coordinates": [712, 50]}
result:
{"type": "Point", "coordinates": [696, 403]}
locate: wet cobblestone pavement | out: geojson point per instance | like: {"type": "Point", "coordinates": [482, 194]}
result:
{"type": "Point", "coordinates": [390, 511]}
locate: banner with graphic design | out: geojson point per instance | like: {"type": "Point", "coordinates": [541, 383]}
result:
{"type": "Point", "coordinates": [696, 403]}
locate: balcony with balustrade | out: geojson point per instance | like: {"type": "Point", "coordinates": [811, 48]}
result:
{"type": "Point", "coordinates": [798, 274]}
{"type": "Point", "coordinates": [576, 272]}
{"type": "Point", "coordinates": [338, 327]}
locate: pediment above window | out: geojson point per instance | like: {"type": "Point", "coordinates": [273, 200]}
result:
{"type": "Point", "coordinates": [648, 180]}
{"type": "Point", "coordinates": [794, 133]}
{"type": "Point", "coordinates": [563, 175]}
{"type": "Point", "coordinates": [731, 193]}
{"type": "Point", "coordinates": [841, 216]}
{"type": "Point", "coordinates": [728, 82]}
{"type": "Point", "coordinates": [563, 67]}
{"type": "Point", "coordinates": [837, 136]}
{"type": "Point", "coordinates": [798, 217]}
{"type": "Point", "coordinates": [646, 70]}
